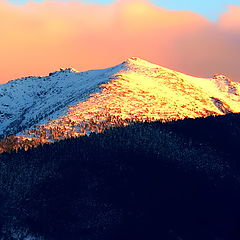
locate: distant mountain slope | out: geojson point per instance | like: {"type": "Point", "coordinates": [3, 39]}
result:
{"type": "Point", "coordinates": [170, 181]}
{"type": "Point", "coordinates": [68, 103]}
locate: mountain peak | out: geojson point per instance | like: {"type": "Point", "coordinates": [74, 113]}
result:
{"type": "Point", "coordinates": [140, 62]}
{"type": "Point", "coordinates": [136, 59]}
{"type": "Point", "coordinates": [135, 90]}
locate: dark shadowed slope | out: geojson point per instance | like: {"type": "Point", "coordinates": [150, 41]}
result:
{"type": "Point", "coordinates": [170, 181]}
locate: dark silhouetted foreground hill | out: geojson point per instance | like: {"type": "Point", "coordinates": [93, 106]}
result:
{"type": "Point", "coordinates": [170, 181]}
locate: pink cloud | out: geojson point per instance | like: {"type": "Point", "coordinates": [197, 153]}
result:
{"type": "Point", "coordinates": [37, 38]}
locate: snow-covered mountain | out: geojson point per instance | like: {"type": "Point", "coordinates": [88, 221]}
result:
{"type": "Point", "coordinates": [70, 103]}
{"type": "Point", "coordinates": [33, 100]}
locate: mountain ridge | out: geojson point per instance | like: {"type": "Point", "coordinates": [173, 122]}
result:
{"type": "Point", "coordinates": [69, 103]}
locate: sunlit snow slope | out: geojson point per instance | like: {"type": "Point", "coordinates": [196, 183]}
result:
{"type": "Point", "coordinates": [69, 103]}
{"type": "Point", "coordinates": [33, 100]}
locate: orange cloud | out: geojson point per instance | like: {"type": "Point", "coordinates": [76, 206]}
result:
{"type": "Point", "coordinates": [37, 38]}
{"type": "Point", "coordinates": [230, 19]}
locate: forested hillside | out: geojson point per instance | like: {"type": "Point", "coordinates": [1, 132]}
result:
{"type": "Point", "coordinates": [173, 181]}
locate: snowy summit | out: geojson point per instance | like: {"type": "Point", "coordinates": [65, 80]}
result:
{"type": "Point", "coordinates": [138, 90]}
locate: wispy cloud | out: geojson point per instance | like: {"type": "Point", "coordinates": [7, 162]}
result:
{"type": "Point", "coordinates": [40, 37]}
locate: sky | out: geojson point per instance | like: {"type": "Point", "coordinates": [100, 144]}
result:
{"type": "Point", "coordinates": [200, 38]}
{"type": "Point", "coordinates": [209, 8]}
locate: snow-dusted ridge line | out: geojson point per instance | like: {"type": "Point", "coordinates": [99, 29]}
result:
{"type": "Point", "coordinates": [133, 89]}
{"type": "Point", "coordinates": [33, 100]}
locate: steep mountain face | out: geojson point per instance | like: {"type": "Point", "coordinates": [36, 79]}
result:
{"type": "Point", "coordinates": [69, 103]}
